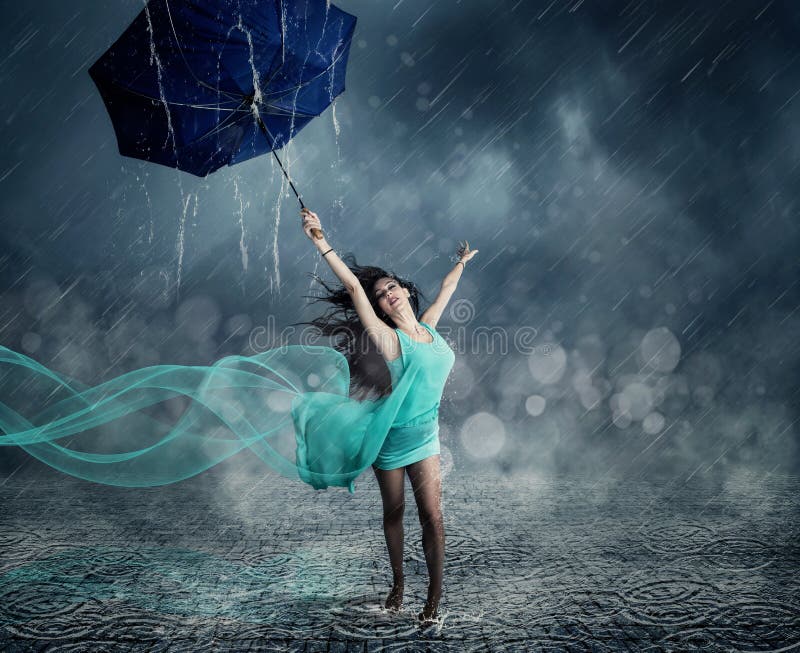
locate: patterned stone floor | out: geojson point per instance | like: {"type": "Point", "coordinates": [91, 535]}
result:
{"type": "Point", "coordinates": [538, 564]}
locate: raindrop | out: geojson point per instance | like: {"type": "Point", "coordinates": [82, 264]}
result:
{"type": "Point", "coordinates": [548, 364]}
{"type": "Point", "coordinates": [581, 380]}
{"type": "Point", "coordinates": [391, 40]}
{"type": "Point", "coordinates": [590, 397]}
{"type": "Point", "coordinates": [639, 400]}
{"type": "Point", "coordinates": [238, 325]}
{"type": "Point", "coordinates": [653, 423]}
{"type": "Point", "coordinates": [618, 403]}
{"type": "Point", "coordinates": [483, 435]}
{"type": "Point", "coordinates": [535, 405]}
{"type": "Point", "coordinates": [661, 350]}
{"type": "Point", "coordinates": [621, 420]}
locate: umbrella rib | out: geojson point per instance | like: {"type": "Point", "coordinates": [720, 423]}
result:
{"type": "Point", "coordinates": [223, 124]}
{"type": "Point", "coordinates": [283, 48]}
{"type": "Point", "coordinates": [280, 111]}
{"type": "Point", "coordinates": [306, 83]}
{"type": "Point", "coordinates": [188, 67]}
{"type": "Point", "coordinates": [232, 96]}
{"type": "Point", "coordinates": [207, 107]}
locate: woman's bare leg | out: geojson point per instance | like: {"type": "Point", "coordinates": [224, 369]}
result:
{"type": "Point", "coordinates": [392, 484]}
{"type": "Point", "coordinates": [426, 480]}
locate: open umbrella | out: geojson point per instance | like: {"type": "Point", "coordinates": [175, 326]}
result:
{"type": "Point", "coordinates": [199, 84]}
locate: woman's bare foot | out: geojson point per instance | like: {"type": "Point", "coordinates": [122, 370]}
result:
{"type": "Point", "coordinates": [395, 599]}
{"type": "Point", "coordinates": [429, 613]}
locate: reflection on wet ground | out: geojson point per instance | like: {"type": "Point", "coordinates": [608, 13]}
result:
{"type": "Point", "coordinates": [270, 564]}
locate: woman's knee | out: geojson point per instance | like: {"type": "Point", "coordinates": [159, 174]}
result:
{"type": "Point", "coordinates": [394, 513]}
{"type": "Point", "coordinates": [430, 514]}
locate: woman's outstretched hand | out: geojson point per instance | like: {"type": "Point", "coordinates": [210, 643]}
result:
{"type": "Point", "coordinates": [311, 224]}
{"type": "Point", "coordinates": [464, 252]}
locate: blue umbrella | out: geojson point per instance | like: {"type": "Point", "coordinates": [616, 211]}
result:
{"type": "Point", "coordinates": [199, 84]}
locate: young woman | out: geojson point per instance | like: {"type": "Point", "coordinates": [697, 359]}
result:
{"type": "Point", "coordinates": [289, 405]}
{"type": "Point", "coordinates": [387, 307]}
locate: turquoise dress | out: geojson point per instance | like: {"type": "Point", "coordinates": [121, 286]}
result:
{"type": "Point", "coordinates": [414, 435]}
{"type": "Point", "coordinates": [290, 406]}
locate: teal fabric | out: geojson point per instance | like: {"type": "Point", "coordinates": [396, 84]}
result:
{"type": "Point", "coordinates": [414, 435]}
{"type": "Point", "coordinates": [409, 444]}
{"type": "Point", "coordinates": [290, 406]}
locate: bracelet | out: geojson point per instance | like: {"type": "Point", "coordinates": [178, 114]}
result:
{"type": "Point", "coordinates": [329, 251]}
{"type": "Point", "coordinates": [462, 263]}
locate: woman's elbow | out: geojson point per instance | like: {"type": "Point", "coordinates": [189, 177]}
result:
{"type": "Point", "coordinates": [352, 286]}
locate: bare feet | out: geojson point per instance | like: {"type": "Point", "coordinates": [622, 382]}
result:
{"type": "Point", "coordinates": [395, 599]}
{"type": "Point", "coordinates": [429, 613]}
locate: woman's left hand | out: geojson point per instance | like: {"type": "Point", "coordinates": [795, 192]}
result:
{"type": "Point", "coordinates": [464, 252]}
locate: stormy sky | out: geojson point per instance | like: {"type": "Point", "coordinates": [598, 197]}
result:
{"type": "Point", "coordinates": [628, 171]}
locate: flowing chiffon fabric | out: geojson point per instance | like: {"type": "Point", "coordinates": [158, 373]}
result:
{"type": "Point", "coordinates": [290, 406]}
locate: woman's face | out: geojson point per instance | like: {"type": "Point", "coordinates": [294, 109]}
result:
{"type": "Point", "coordinates": [390, 296]}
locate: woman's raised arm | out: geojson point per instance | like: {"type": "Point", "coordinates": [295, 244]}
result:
{"type": "Point", "coordinates": [380, 333]}
{"type": "Point", "coordinates": [434, 311]}
{"type": "Point", "coordinates": [340, 269]}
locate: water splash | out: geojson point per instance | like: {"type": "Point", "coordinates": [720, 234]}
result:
{"type": "Point", "coordinates": [151, 222]}
{"type": "Point", "coordinates": [156, 61]}
{"type": "Point", "coordinates": [170, 139]}
{"type": "Point", "coordinates": [239, 198]}
{"type": "Point", "coordinates": [257, 96]}
{"type": "Point", "coordinates": [180, 246]}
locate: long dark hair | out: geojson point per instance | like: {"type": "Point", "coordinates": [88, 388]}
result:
{"type": "Point", "coordinates": [369, 375]}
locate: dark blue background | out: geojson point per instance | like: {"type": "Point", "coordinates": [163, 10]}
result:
{"type": "Point", "coordinates": [622, 167]}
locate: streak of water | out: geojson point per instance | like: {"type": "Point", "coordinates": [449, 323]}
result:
{"type": "Point", "coordinates": [237, 195]}
{"type": "Point", "coordinates": [180, 243]}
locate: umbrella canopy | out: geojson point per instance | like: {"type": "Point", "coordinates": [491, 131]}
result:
{"type": "Point", "coordinates": [199, 84]}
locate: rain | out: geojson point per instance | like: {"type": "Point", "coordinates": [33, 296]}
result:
{"type": "Point", "coordinates": [626, 170]}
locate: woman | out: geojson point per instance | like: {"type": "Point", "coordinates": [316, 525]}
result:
{"type": "Point", "coordinates": [387, 312]}
{"type": "Point", "coordinates": [289, 405]}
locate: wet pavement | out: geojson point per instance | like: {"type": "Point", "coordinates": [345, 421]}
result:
{"type": "Point", "coordinates": [261, 564]}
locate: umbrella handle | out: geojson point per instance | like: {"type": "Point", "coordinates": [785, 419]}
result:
{"type": "Point", "coordinates": [314, 232]}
